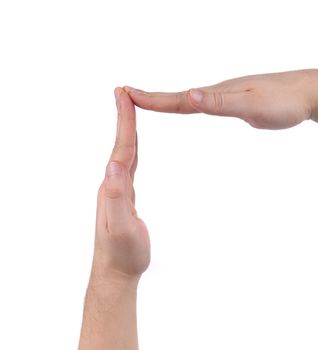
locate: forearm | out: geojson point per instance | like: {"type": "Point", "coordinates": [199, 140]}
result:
{"type": "Point", "coordinates": [109, 319]}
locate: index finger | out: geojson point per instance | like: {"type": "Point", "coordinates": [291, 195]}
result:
{"type": "Point", "coordinates": [169, 102]}
{"type": "Point", "coordinates": [180, 102]}
{"type": "Point", "coordinates": [124, 148]}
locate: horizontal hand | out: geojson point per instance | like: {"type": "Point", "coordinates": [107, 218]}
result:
{"type": "Point", "coordinates": [265, 101]}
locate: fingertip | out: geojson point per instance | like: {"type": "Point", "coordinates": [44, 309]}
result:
{"type": "Point", "coordinates": [128, 89]}
{"type": "Point", "coordinates": [117, 92]}
{"type": "Point", "coordinates": [133, 91]}
{"type": "Point", "coordinates": [126, 100]}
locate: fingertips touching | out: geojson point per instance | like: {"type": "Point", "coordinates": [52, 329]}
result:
{"type": "Point", "coordinates": [132, 90]}
{"type": "Point", "coordinates": [124, 101]}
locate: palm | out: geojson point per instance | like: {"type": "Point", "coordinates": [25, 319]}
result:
{"type": "Point", "coordinates": [277, 100]}
{"type": "Point", "coordinates": [132, 246]}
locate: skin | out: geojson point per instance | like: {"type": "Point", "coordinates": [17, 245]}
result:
{"type": "Point", "coordinates": [265, 101]}
{"type": "Point", "coordinates": [122, 245]}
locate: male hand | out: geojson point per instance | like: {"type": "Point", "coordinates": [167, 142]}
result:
{"type": "Point", "coordinates": [122, 245]}
{"type": "Point", "coordinates": [265, 101]}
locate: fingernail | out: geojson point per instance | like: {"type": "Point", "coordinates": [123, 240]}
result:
{"type": "Point", "coordinates": [196, 95]}
{"type": "Point", "coordinates": [113, 168]}
{"type": "Point", "coordinates": [130, 89]}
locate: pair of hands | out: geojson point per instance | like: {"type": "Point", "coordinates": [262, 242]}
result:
{"type": "Point", "coordinates": [266, 101]}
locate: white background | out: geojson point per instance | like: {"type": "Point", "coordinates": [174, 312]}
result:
{"type": "Point", "coordinates": [231, 210]}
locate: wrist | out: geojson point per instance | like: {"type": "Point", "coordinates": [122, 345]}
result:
{"type": "Point", "coordinates": [108, 279]}
{"type": "Point", "coordinates": [103, 276]}
{"type": "Point", "coordinates": [110, 312]}
{"type": "Point", "coordinates": [109, 292]}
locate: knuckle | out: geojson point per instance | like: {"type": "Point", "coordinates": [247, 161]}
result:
{"type": "Point", "coordinates": [178, 103]}
{"type": "Point", "coordinates": [113, 192]}
{"type": "Point", "coordinates": [217, 102]}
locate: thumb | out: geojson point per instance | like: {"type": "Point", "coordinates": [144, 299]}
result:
{"type": "Point", "coordinates": [236, 104]}
{"type": "Point", "coordinates": [118, 211]}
